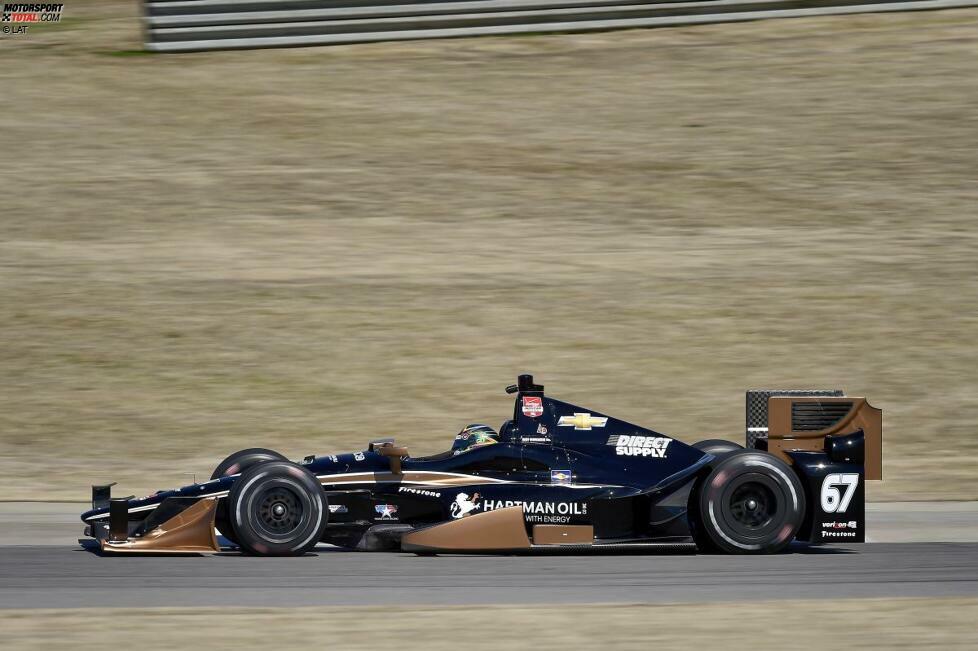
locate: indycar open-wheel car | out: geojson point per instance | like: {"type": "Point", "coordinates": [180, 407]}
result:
{"type": "Point", "coordinates": [555, 475]}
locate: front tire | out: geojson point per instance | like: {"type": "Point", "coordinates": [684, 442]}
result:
{"type": "Point", "coordinates": [244, 459]}
{"type": "Point", "coordinates": [278, 508]}
{"type": "Point", "coordinates": [751, 503]}
{"type": "Point", "coordinates": [232, 465]}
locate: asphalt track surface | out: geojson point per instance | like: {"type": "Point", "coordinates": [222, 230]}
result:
{"type": "Point", "coordinates": [64, 577]}
{"type": "Point", "coordinates": [61, 574]}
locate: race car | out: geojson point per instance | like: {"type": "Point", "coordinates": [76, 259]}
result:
{"type": "Point", "coordinates": [554, 476]}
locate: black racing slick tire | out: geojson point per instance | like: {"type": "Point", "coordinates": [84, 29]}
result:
{"type": "Point", "coordinates": [717, 447]}
{"type": "Point", "coordinates": [278, 508]}
{"type": "Point", "coordinates": [244, 459]}
{"type": "Point", "coordinates": [232, 465]}
{"type": "Point", "coordinates": [751, 503]}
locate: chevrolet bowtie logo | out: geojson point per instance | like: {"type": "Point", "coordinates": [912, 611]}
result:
{"type": "Point", "coordinates": [582, 421]}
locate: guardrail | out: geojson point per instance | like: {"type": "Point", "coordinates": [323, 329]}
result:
{"type": "Point", "coordinates": [188, 25]}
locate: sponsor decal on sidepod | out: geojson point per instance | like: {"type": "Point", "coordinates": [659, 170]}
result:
{"type": "Point", "coordinates": [386, 511]}
{"type": "Point", "coordinates": [639, 446]}
{"type": "Point", "coordinates": [418, 491]}
{"type": "Point", "coordinates": [534, 511]}
{"type": "Point", "coordinates": [463, 505]}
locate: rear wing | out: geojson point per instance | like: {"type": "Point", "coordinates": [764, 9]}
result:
{"type": "Point", "coordinates": [816, 421]}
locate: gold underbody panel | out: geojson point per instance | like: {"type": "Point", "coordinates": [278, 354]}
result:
{"type": "Point", "coordinates": [499, 530]}
{"type": "Point", "coordinates": [563, 534]}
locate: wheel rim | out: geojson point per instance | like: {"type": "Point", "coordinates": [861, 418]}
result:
{"type": "Point", "coordinates": [754, 525]}
{"type": "Point", "coordinates": [752, 505]}
{"type": "Point", "coordinates": [278, 511]}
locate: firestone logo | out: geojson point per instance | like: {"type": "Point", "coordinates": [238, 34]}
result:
{"type": "Point", "coordinates": [840, 529]}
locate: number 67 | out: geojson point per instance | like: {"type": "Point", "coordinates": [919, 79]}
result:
{"type": "Point", "coordinates": [832, 500]}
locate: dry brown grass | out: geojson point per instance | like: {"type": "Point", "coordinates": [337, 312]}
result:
{"type": "Point", "coordinates": [846, 623]}
{"type": "Point", "coordinates": [310, 248]}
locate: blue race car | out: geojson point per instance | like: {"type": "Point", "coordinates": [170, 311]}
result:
{"type": "Point", "coordinates": [555, 476]}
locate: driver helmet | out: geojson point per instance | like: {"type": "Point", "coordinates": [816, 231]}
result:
{"type": "Point", "coordinates": [474, 436]}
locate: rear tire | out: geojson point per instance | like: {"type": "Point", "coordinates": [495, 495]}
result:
{"type": "Point", "coordinates": [278, 508]}
{"type": "Point", "coordinates": [232, 465]}
{"type": "Point", "coordinates": [717, 447]}
{"type": "Point", "coordinates": [751, 503]}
